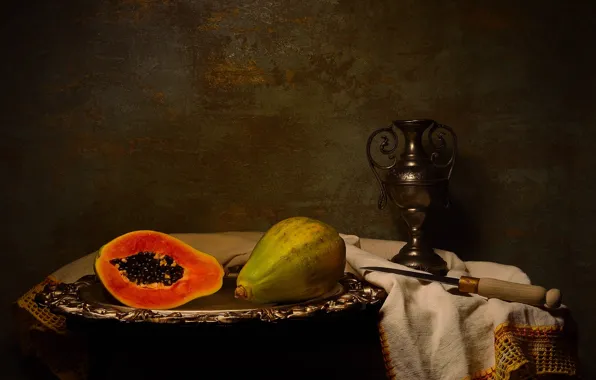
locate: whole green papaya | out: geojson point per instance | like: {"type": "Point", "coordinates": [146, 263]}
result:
{"type": "Point", "coordinates": [298, 258]}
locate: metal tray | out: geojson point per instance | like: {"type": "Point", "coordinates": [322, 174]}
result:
{"type": "Point", "coordinates": [88, 299]}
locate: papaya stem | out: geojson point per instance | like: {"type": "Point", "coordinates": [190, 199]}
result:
{"type": "Point", "coordinates": [241, 292]}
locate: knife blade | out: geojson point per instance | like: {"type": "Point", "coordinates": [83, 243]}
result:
{"type": "Point", "coordinates": [488, 287]}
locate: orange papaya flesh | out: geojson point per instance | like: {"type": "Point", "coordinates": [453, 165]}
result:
{"type": "Point", "coordinates": [152, 270]}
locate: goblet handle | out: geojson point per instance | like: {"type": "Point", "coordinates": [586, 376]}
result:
{"type": "Point", "coordinates": [387, 147]}
{"type": "Point", "coordinates": [435, 132]}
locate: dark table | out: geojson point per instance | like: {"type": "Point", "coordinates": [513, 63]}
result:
{"type": "Point", "coordinates": [331, 347]}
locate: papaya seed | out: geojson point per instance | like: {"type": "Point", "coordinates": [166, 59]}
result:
{"type": "Point", "coordinates": [145, 268]}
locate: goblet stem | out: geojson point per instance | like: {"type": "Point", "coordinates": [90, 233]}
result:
{"type": "Point", "coordinates": [417, 253]}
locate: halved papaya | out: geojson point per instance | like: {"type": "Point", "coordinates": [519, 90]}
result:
{"type": "Point", "coordinates": [152, 270]}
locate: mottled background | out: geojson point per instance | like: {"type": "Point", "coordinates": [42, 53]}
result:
{"type": "Point", "coordinates": [196, 116]}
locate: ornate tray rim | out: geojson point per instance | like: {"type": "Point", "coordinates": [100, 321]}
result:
{"type": "Point", "coordinates": [64, 299]}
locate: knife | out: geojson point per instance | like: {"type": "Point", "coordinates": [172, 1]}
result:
{"type": "Point", "coordinates": [489, 287]}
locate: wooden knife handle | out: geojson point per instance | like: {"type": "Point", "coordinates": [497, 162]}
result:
{"type": "Point", "coordinates": [513, 292]}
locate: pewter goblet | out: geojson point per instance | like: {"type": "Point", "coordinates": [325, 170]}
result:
{"type": "Point", "coordinates": [415, 182]}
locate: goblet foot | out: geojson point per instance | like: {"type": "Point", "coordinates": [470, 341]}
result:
{"type": "Point", "coordinates": [421, 258]}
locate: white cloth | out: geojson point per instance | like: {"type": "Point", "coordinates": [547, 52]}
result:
{"type": "Point", "coordinates": [429, 333]}
{"type": "Point", "coordinates": [432, 333]}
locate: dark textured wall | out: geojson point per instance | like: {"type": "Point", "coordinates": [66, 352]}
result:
{"type": "Point", "coordinates": [230, 115]}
